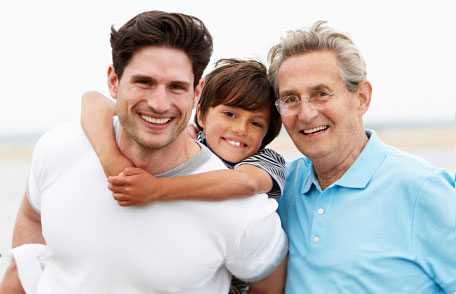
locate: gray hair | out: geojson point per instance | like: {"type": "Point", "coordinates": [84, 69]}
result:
{"type": "Point", "coordinates": [320, 37]}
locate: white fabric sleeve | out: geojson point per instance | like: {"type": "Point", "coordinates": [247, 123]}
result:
{"type": "Point", "coordinates": [30, 261]}
{"type": "Point", "coordinates": [261, 248]}
{"type": "Point", "coordinates": [35, 175]}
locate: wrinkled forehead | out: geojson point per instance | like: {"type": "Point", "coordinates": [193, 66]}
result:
{"type": "Point", "coordinates": [306, 72]}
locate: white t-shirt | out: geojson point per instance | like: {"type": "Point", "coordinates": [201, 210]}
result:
{"type": "Point", "coordinates": [96, 246]}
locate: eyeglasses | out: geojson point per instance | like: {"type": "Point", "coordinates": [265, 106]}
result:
{"type": "Point", "coordinates": [290, 104]}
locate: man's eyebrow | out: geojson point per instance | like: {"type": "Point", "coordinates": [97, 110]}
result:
{"type": "Point", "coordinates": [181, 83]}
{"type": "Point", "coordinates": [139, 77]}
{"type": "Point", "coordinates": [287, 92]}
{"type": "Point", "coordinates": [320, 87]}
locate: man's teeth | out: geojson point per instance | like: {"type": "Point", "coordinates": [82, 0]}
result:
{"type": "Point", "coordinates": [158, 121]}
{"type": "Point", "coordinates": [234, 143]}
{"type": "Point", "coordinates": [314, 130]}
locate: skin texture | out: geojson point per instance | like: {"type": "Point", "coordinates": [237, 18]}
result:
{"type": "Point", "coordinates": [333, 150]}
{"type": "Point", "coordinates": [135, 186]}
{"type": "Point", "coordinates": [234, 133]}
{"type": "Point", "coordinates": [153, 72]}
{"type": "Point", "coordinates": [157, 84]}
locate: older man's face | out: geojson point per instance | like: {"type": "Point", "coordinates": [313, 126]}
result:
{"type": "Point", "coordinates": [320, 130]}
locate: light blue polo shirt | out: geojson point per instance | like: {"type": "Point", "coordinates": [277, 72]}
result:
{"type": "Point", "coordinates": [388, 225]}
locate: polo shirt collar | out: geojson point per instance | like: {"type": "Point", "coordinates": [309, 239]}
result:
{"type": "Point", "coordinates": [362, 169]}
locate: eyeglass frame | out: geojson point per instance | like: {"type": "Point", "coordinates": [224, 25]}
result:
{"type": "Point", "coordinates": [310, 99]}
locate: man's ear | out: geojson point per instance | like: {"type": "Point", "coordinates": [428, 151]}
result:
{"type": "Point", "coordinates": [198, 91]}
{"type": "Point", "coordinates": [113, 82]}
{"type": "Point", "coordinates": [364, 93]}
{"type": "Point", "coordinates": [200, 119]}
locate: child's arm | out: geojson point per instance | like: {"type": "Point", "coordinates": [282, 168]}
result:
{"type": "Point", "coordinates": [96, 120]}
{"type": "Point", "coordinates": [135, 186]}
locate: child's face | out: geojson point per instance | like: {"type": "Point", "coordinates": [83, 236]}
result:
{"type": "Point", "coordinates": [234, 133]}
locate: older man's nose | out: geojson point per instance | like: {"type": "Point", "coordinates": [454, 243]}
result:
{"type": "Point", "coordinates": [307, 112]}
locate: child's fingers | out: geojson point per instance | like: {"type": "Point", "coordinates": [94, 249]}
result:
{"type": "Point", "coordinates": [115, 188]}
{"type": "Point", "coordinates": [118, 180]}
{"type": "Point", "coordinates": [120, 197]}
{"type": "Point", "coordinates": [124, 203]}
{"type": "Point", "coordinates": [119, 189]}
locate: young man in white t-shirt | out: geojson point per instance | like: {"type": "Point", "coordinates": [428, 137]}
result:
{"type": "Point", "coordinates": [95, 246]}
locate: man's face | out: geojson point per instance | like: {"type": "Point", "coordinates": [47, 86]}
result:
{"type": "Point", "coordinates": [155, 96]}
{"type": "Point", "coordinates": [321, 130]}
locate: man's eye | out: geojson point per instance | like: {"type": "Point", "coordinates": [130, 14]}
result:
{"type": "Point", "coordinates": [178, 87]}
{"type": "Point", "coordinates": [290, 99]}
{"type": "Point", "coordinates": [143, 82]}
{"type": "Point", "coordinates": [323, 94]}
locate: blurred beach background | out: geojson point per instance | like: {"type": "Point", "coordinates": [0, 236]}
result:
{"type": "Point", "coordinates": [435, 143]}
{"type": "Point", "coordinates": [53, 51]}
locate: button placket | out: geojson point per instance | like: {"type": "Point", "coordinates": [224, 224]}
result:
{"type": "Point", "coordinates": [318, 219]}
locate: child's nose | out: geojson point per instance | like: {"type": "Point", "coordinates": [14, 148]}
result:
{"type": "Point", "coordinates": [240, 128]}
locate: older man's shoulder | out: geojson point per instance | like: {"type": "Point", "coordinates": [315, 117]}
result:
{"type": "Point", "coordinates": [298, 166]}
{"type": "Point", "coordinates": [411, 167]}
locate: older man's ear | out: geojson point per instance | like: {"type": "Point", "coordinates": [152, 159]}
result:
{"type": "Point", "coordinates": [364, 93]}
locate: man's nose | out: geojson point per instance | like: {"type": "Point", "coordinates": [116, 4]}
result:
{"type": "Point", "coordinates": [159, 100]}
{"type": "Point", "coordinates": [307, 112]}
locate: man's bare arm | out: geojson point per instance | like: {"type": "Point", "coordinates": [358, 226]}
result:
{"type": "Point", "coordinates": [274, 283]}
{"type": "Point", "coordinates": [26, 230]}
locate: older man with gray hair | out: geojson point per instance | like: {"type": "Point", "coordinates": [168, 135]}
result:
{"type": "Point", "coordinates": [361, 216]}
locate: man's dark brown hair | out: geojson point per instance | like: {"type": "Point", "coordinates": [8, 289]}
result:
{"type": "Point", "coordinates": [243, 84]}
{"type": "Point", "coordinates": [158, 28]}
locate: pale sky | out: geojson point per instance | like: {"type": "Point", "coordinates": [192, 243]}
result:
{"type": "Point", "coordinates": [53, 51]}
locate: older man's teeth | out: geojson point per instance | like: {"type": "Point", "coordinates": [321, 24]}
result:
{"type": "Point", "coordinates": [153, 120]}
{"type": "Point", "coordinates": [314, 130]}
{"type": "Point", "coordinates": [234, 143]}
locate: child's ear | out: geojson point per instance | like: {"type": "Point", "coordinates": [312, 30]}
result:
{"type": "Point", "coordinates": [201, 120]}
{"type": "Point", "coordinates": [113, 82]}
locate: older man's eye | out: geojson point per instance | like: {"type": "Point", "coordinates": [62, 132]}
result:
{"type": "Point", "coordinates": [258, 124]}
{"type": "Point", "coordinates": [321, 96]}
{"type": "Point", "coordinates": [289, 99]}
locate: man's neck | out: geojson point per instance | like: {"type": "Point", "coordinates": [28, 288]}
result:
{"type": "Point", "coordinates": [157, 161]}
{"type": "Point", "coordinates": [329, 169]}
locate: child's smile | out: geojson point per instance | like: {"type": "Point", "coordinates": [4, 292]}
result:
{"type": "Point", "coordinates": [234, 133]}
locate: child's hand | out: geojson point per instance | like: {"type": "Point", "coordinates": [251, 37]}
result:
{"type": "Point", "coordinates": [134, 186]}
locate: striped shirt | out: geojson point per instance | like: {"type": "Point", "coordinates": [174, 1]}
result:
{"type": "Point", "coordinates": [265, 159]}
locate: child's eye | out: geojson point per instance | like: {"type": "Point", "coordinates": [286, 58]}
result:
{"type": "Point", "coordinates": [258, 125]}
{"type": "Point", "coordinates": [229, 114]}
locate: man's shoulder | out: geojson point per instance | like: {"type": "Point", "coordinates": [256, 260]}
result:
{"type": "Point", "coordinates": [408, 166]}
{"type": "Point", "coordinates": [210, 161]}
{"type": "Point", "coordinates": [62, 134]}
{"type": "Point", "coordinates": [298, 168]}
{"type": "Point", "coordinates": [61, 144]}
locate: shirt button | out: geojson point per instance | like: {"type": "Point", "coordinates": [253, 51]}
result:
{"type": "Point", "coordinates": [316, 238]}
{"type": "Point", "coordinates": [321, 211]}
